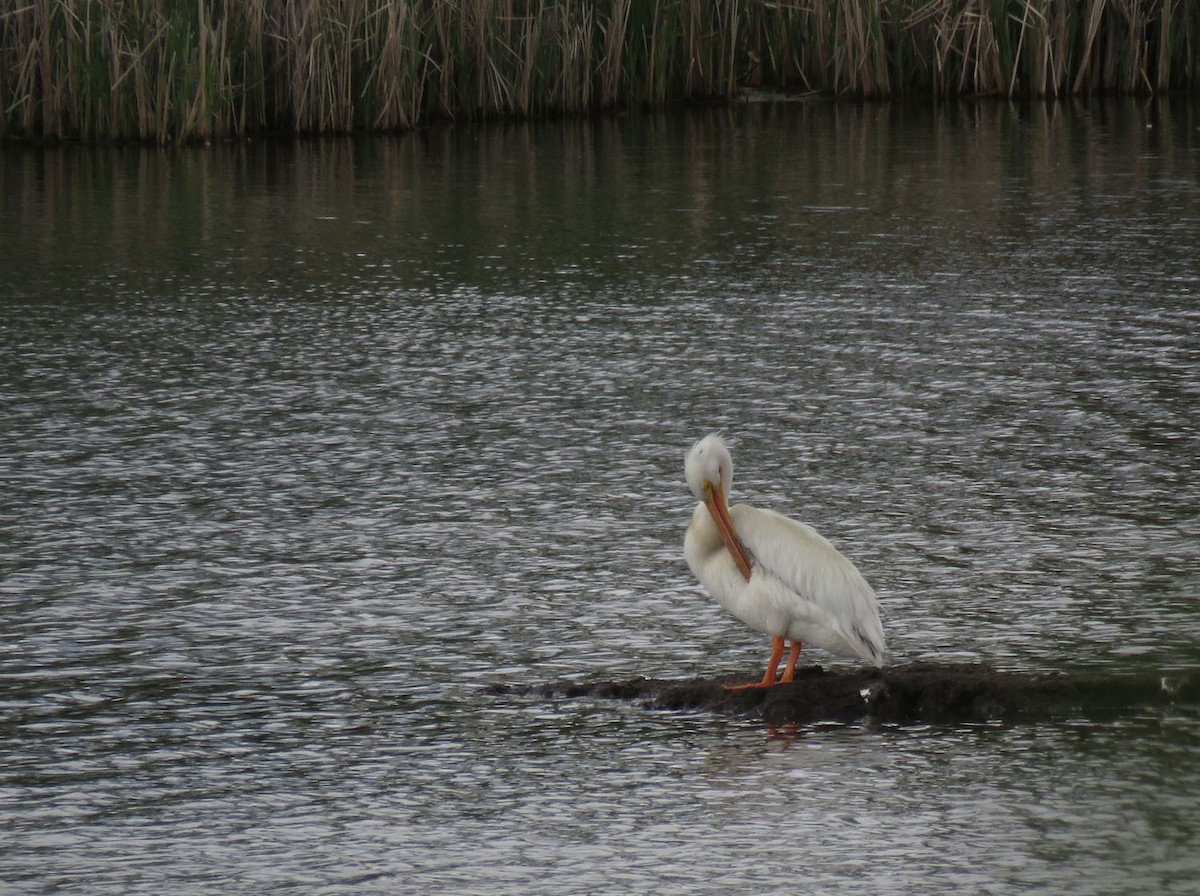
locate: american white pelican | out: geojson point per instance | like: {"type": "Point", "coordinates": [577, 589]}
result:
{"type": "Point", "coordinates": [773, 573]}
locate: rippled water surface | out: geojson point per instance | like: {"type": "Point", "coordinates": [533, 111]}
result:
{"type": "Point", "coordinates": [305, 445]}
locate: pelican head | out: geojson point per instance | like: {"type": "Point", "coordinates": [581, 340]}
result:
{"type": "Point", "coordinates": [709, 468]}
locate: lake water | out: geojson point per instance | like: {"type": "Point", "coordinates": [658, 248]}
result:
{"type": "Point", "coordinates": [308, 443]}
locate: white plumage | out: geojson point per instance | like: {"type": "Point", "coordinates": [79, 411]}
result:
{"type": "Point", "coordinates": [775, 574]}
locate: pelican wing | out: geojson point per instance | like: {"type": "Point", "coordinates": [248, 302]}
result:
{"type": "Point", "coordinates": [806, 580]}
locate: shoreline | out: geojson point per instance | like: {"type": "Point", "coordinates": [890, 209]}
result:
{"type": "Point", "coordinates": [190, 72]}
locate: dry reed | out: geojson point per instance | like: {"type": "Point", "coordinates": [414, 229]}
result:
{"type": "Point", "coordinates": [170, 70]}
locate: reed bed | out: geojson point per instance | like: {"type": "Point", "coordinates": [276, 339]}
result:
{"type": "Point", "coordinates": [170, 70]}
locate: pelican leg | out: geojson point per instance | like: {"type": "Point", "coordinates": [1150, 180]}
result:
{"type": "Point", "coordinates": [790, 669]}
{"type": "Point", "coordinates": [768, 678]}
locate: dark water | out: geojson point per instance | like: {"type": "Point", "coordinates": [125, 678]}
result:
{"type": "Point", "coordinates": [306, 444]}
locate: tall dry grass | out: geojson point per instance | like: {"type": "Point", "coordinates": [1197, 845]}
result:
{"type": "Point", "coordinates": [169, 70]}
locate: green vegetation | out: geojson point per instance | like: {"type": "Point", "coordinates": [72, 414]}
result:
{"type": "Point", "coordinates": [169, 70]}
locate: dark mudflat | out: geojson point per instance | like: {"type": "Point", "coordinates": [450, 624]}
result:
{"type": "Point", "coordinates": [931, 693]}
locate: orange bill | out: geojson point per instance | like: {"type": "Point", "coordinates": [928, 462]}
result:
{"type": "Point", "coordinates": [720, 514]}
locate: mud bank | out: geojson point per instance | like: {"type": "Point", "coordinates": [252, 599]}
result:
{"type": "Point", "coordinates": [929, 693]}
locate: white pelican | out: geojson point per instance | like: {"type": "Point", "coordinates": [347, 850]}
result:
{"type": "Point", "coordinates": [773, 573]}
